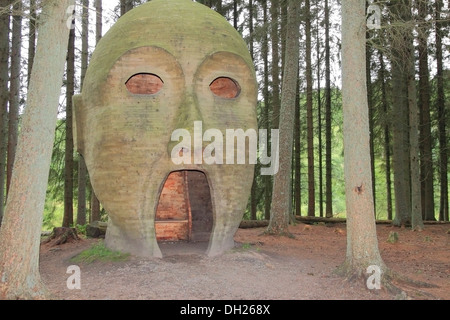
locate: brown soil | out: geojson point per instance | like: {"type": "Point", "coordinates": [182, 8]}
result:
{"type": "Point", "coordinates": [260, 267]}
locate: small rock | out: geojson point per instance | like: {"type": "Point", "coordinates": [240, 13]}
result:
{"type": "Point", "coordinates": [96, 229]}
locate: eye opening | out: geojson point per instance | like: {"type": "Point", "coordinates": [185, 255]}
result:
{"type": "Point", "coordinates": [144, 84]}
{"type": "Point", "coordinates": [225, 87]}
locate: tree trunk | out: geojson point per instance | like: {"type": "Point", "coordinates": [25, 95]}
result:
{"type": "Point", "coordinates": [253, 199]}
{"type": "Point", "coordinates": [442, 120]}
{"type": "Point", "coordinates": [362, 243]}
{"type": "Point", "coordinates": [297, 162]}
{"type": "Point", "coordinates": [387, 137]}
{"type": "Point", "coordinates": [69, 163]}
{"type": "Point", "coordinates": [82, 170]}
{"type": "Point", "coordinates": [328, 175]}
{"type": "Point", "coordinates": [400, 126]}
{"type": "Point", "coordinates": [4, 97]}
{"type": "Point", "coordinates": [274, 11]}
{"type": "Point", "coordinates": [95, 208]}
{"type": "Point", "coordinates": [235, 14]}
{"type": "Point", "coordinates": [319, 116]}
{"type": "Point", "coordinates": [250, 28]}
{"type": "Point", "coordinates": [95, 204]}
{"type": "Point", "coordinates": [426, 162]}
{"type": "Point", "coordinates": [371, 120]}
{"type": "Point", "coordinates": [281, 187]}
{"type": "Point", "coordinates": [125, 6]}
{"type": "Point", "coordinates": [309, 114]}
{"type": "Point", "coordinates": [98, 20]}
{"type": "Point", "coordinates": [14, 97]}
{"type": "Point", "coordinates": [283, 24]}
{"type": "Point", "coordinates": [414, 122]}
{"type": "Point", "coordinates": [31, 38]}
{"type": "Point", "coordinates": [266, 121]}
{"type": "Point", "coordinates": [253, 196]}
{"type": "Point", "coordinates": [21, 229]}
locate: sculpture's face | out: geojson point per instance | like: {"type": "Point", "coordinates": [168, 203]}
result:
{"type": "Point", "coordinates": [163, 66]}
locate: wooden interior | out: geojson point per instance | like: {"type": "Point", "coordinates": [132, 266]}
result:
{"type": "Point", "coordinates": [184, 211]}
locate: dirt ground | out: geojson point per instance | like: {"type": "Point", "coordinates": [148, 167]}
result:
{"type": "Point", "coordinates": [260, 267]}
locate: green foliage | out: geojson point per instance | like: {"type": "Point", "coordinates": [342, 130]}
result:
{"type": "Point", "coordinates": [98, 252]}
{"type": "Point", "coordinates": [81, 229]}
{"type": "Point", "coordinates": [53, 214]}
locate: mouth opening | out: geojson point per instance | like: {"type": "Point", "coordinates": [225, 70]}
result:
{"type": "Point", "coordinates": [184, 214]}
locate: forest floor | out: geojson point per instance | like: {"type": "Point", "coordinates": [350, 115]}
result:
{"type": "Point", "coordinates": [260, 267]}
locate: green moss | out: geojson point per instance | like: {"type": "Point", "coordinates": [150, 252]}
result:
{"type": "Point", "coordinates": [98, 252]}
{"type": "Point", "coordinates": [175, 25]}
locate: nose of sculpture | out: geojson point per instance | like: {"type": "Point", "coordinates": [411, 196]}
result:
{"type": "Point", "coordinates": [188, 114]}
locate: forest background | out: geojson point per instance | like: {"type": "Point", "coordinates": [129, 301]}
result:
{"type": "Point", "coordinates": [317, 177]}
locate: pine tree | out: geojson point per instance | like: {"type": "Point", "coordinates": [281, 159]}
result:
{"type": "Point", "coordinates": [281, 187]}
{"type": "Point", "coordinates": [362, 243]}
{"type": "Point", "coordinates": [21, 229]}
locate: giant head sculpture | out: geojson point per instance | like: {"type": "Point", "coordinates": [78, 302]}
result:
{"type": "Point", "coordinates": [162, 67]}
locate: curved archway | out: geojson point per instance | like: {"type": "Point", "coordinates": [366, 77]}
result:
{"type": "Point", "coordinates": [184, 214]}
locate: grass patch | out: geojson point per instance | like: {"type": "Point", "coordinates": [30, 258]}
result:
{"type": "Point", "coordinates": [244, 247]}
{"type": "Point", "coordinates": [98, 252]}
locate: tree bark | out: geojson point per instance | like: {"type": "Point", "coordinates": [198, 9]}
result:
{"type": "Point", "coordinates": [274, 12]}
{"type": "Point", "coordinates": [362, 243]}
{"type": "Point", "coordinates": [414, 122]}
{"type": "Point", "coordinates": [251, 28]}
{"type": "Point", "coordinates": [253, 199]}
{"type": "Point", "coordinates": [31, 38]}
{"type": "Point", "coordinates": [266, 123]}
{"type": "Point", "coordinates": [400, 126]}
{"type": "Point", "coordinates": [281, 187]}
{"type": "Point", "coordinates": [328, 166]}
{"type": "Point", "coordinates": [426, 160]}
{"type": "Point", "coordinates": [297, 161]}
{"type": "Point", "coordinates": [387, 135]}
{"type": "Point", "coordinates": [95, 208]}
{"type": "Point", "coordinates": [283, 30]}
{"type": "Point", "coordinates": [309, 114]}
{"type": "Point", "coordinates": [21, 229]}
{"type": "Point", "coordinates": [371, 120]}
{"type": "Point", "coordinates": [125, 6]}
{"type": "Point", "coordinates": [14, 97]}
{"type": "Point", "coordinates": [235, 14]}
{"type": "Point", "coordinates": [319, 116]}
{"type": "Point", "coordinates": [95, 204]}
{"type": "Point", "coordinates": [442, 119]}
{"type": "Point", "coordinates": [69, 163]}
{"type": "Point", "coordinates": [98, 20]}
{"type": "Point", "coordinates": [253, 196]}
{"type": "Point", "coordinates": [4, 97]}
{"type": "Point", "coordinates": [82, 170]}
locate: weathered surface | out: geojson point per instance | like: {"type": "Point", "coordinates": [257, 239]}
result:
{"type": "Point", "coordinates": [128, 155]}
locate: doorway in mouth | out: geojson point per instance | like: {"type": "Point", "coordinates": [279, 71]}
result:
{"type": "Point", "coordinates": [184, 214]}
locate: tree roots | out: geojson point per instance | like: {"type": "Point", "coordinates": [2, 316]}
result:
{"type": "Point", "coordinates": [62, 235]}
{"type": "Point", "coordinates": [399, 286]}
